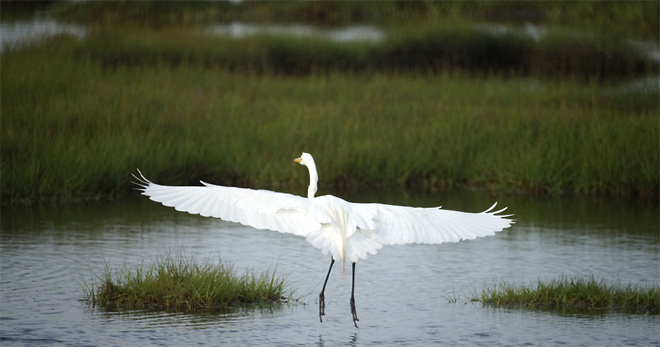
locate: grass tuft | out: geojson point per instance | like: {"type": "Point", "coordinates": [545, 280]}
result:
{"type": "Point", "coordinates": [183, 284]}
{"type": "Point", "coordinates": [575, 294]}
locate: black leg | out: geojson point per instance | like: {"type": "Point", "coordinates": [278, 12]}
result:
{"type": "Point", "coordinates": [355, 318]}
{"type": "Point", "coordinates": [322, 295]}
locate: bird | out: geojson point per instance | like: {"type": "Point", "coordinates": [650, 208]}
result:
{"type": "Point", "coordinates": [344, 230]}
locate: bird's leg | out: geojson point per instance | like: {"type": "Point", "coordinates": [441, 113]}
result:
{"type": "Point", "coordinates": [355, 318]}
{"type": "Point", "coordinates": [322, 295]}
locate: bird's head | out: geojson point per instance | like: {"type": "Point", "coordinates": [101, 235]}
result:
{"type": "Point", "coordinates": [305, 159]}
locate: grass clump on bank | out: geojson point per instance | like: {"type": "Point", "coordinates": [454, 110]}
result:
{"type": "Point", "coordinates": [575, 294]}
{"type": "Point", "coordinates": [183, 284]}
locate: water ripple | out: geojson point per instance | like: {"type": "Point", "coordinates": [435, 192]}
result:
{"type": "Point", "coordinates": [402, 294]}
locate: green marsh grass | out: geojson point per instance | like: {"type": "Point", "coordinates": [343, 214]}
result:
{"type": "Point", "coordinates": [630, 18]}
{"type": "Point", "coordinates": [430, 48]}
{"type": "Point", "coordinates": [74, 128]}
{"type": "Point", "coordinates": [183, 284]}
{"type": "Point", "coordinates": [575, 294]}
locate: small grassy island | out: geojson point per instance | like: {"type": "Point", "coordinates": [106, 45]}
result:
{"type": "Point", "coordinates": [575, 294]}
{"type": "Point", "coordinates": [183, 284]}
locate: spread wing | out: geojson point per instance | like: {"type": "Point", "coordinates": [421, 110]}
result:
{"type": "Point", "coordinates": [395, 225]}
{"type": "Point", "coordinates": [261, 209]}
{"type": "Point", "coordinates": [347, 230]}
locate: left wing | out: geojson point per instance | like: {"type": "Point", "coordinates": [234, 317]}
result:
{"type": "Point", "coordinates": [261, 209]}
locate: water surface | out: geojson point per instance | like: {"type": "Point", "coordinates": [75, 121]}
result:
{"type": "Point", "coordinates": [339, 34]}
{"type": "Point", "coordinates": [402, 294]}
{"type": "Point", "coordinates": [21, 32]}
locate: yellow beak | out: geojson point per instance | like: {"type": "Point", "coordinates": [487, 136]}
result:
{"type": "Point", "coordinates": [297, 160]}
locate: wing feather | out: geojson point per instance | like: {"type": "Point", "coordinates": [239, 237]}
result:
{"type": "Point", "coordinates": [259, 209]}
{"type": "Point", "coordinates": [394, 225]}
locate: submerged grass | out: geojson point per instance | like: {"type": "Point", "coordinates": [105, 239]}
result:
{"type": "Point", "coordinates": [183, 284]}
{"type": "Point", "coordinates": [73, 128]}
{"type": "Point", "coordinates": [575, 294]}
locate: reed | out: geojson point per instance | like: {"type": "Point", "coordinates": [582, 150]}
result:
{"type": "Point", "coordinates": [575, 294]}
{"type": "Point", "coordinates": [183, 284]}
{"type": "Point", "coordinates": [73, 127]}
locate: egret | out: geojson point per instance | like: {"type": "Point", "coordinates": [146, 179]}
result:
{"type": "Point", "coordinates": [344, 230]}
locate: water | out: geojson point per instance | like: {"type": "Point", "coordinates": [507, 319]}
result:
{"type": "Point", "coordinates": [21, 32]}
{"type": "Point", "coordinates": [341, 34]}
{"type": "Point", "coordinates": [402, 294]}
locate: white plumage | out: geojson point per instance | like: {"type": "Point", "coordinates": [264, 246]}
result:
{"type": "Point", "coordinates": [347, 231]}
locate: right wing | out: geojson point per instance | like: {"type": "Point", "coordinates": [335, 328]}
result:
{"type": "Point", "coordinates": [396, 225]}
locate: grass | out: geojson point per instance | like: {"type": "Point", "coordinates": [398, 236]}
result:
{"type": "Point", "coordinates": [628, 18]}
{"type": "Point", "coordinates": [584, 40]}
{"type": "Point", "coordinates": [432, 48]}
{"type": "Point", "coordinates": [183, 284]}
{"type": "Point", "coordinates": [440, 104]}
{"type": "Point", "coordinates": [558, 53]}
{"type": "Point", "coordinates": [575, 294]}
{"type": "Point", "coordinates": [73, 127]}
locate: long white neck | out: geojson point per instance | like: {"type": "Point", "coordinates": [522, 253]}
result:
{"type": "Point", "coordinates": [313, 179]}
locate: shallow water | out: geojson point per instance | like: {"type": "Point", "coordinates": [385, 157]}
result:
{"type": "Point", "coordinates": [21, 32]}
{"type": "Point", "coordinates": [402, 294]}
{"type": "Point", "coordinates": [16, 33]}
{"type": "Point", "coordinates": [339, 34]}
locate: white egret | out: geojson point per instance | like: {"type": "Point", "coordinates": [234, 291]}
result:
{"type": "Point", "coordinates": [347, 231]}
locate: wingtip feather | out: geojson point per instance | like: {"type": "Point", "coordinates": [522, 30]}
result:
{"type": "Point", "coordinates": [494, 213]}
{"type": "Point", "coordinates": [490, 208]}
{"type": "Point", "coordinates": [141, 181]}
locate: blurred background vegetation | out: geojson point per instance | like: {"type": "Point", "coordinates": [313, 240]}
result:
{"type": "Point", "coordinates": [625, 18]}
{"type": "Point", "coordinates": [457, 94]}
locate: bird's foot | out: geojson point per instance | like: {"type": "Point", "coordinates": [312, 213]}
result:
{"type": "Point", "coordinates": [321, 307]}
{"type": "Point", "coordinates": [354, 312]}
